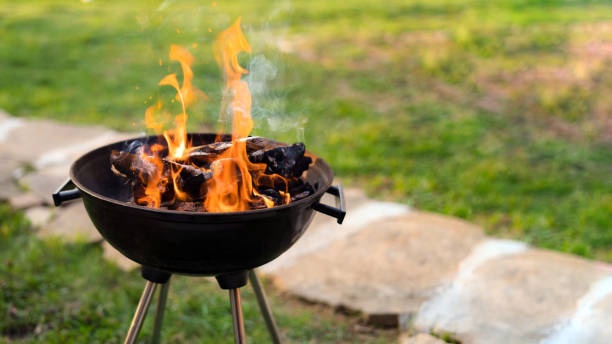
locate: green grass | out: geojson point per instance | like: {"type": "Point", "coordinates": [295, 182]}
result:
{"type": "Point", "coordinates": [496, 112]}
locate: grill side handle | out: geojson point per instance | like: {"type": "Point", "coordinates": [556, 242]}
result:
{"type": "Point", "coordinates": [339, 212]}
{"type": "Point", "coordinates": [66, 192]}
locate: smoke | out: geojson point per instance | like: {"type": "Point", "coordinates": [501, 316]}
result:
{"type": "Point", "coordinates": [266, 30]}
{"type": "Point", "coordinates": [269, 104]}
{"type": "Point", "coordinates": [261, 71]}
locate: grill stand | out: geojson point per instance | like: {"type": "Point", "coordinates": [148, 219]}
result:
{"type": "Point", "coordinates": [266, 312]}
{"type": "Point", "coordinates": [232, 282]}
{"type": "Point", "coordinates": [159, 312]}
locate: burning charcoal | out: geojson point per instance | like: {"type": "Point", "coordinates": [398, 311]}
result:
{"type": "Point", "coordinates": [186, 206]}
{"type": "Point", "coordinates": [273, 195]}
{"type": "Point", "coordinates": [252, 144]}
{"type": "Point", "coordinates": [129, 165]}
{"type": "Point", "coordinates": [278, 183]}
{"type": "Point", "coordinates": [191, 180]}
{"type": "Point", "coordinates": [204, 155]}
{"type": "Point", "coordinates": [164, 186]}
{"type": "Point", "coordinates": [287, 161]}
{"type": "Point", "coordinates": [201, 159]}
{"type": "Point", "coordinates": [257, 204]}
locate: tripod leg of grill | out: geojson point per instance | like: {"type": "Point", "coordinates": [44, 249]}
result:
{"type": "Point", "coordinates": [159, 312]}
{"type": "Point", "coordinates": [264, 307]}
{"type": "Point", "coordinates": [234, 295]}
{"type": "Point", "coordinates": [141, 312]}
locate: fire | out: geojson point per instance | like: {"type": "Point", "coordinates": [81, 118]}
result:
{"type": "Point", "coordinates": [231, 186]}
{"type": "Point", "coordinates": [155, 182]}
{"type": "Point", "coordinates": [176, 137]}
{"type": "Point", "coordinates": [186, 94]}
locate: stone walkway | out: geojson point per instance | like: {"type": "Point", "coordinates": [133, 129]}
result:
{"type": "Point", "coordinates": [420, 272]}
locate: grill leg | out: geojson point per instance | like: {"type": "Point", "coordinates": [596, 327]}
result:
{"type": "Point", "coordinates": [141, 312]}
{"type": "Point", "coordinates": [234, 295]}
{"type": "Point", "coordinates": [264, 307]}
{"type": "Point", "coordinates": [159, 312]}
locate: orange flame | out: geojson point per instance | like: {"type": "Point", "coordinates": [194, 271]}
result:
{"type": "Point", "coordinates": [155, 183]}
{"type": "Point", "coordinates": [231, 187]}
{"type": "Point", "coordinates": [176, 137]}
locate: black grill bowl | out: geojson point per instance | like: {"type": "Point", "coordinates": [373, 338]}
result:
{"type": "Point", "coordinates": [194, 243]}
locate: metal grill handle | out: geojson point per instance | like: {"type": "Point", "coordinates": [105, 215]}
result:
{"type": "Point", "coordinates": [339, 212]}
{"type": "Point", "coordinates": [64, 194]}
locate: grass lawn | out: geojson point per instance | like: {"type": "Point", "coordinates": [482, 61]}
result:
{"type": "Point", "coordinates": [496, 112]}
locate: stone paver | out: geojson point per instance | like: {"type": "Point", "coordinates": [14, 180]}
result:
{"type": "Point", "coordinates": [8, 182]}
{"type": "Point", "coordinates": [388, 267]}
{"type": "Point", "coordinates": [72, 224]}
{"type": "Point", "coordinates": [421, 338]}
{"type": "Point", "coordinates": [514, 297]}
{"type": "Point", "coordinates": [113, 256]}
{"type": "Point", "coordinates": [44, 143]}
{"type": "Point", "coordinates": [422, 272]}
{"type": "Point", "coordinates": [40, 152]}
{"type": "Point", "coordinates": [590, 320]}
{"type": "Point", "coordinates": [39, 216]}
{"type": "Point", "coordinates": [24, 200]}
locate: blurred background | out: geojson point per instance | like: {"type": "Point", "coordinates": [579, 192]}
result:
{"type": "Point", "coordinates": [497, 112]}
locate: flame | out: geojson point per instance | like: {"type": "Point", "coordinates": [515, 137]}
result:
{"type": "Point", "coordinates": [152, 178]}
{"type": "Point", "coordinates": [176, 137]}
{"type": "Point", "coordinates": [231, 187]}
{"type": "Point", "coordinates": [236, 94]}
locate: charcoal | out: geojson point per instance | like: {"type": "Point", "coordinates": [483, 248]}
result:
{"type": "Point", "coordinates": [192, 180]}
{"type": "Point", "coordinates": [300, 195]}
{"type": "Point", "coordinates": [257, 204]}
{"type": "Point", "coordinates": [186, 206]}
{"type": "Point", "coordinates": [196, 169]}
{"type": "Point", "coordinates": [272, 194]}
{"type": "Point", "coordinates": [298, 190]}
{"type": "Point", "coordinates": [130, 165]}
{"type": "Point", "coordinates": [164, 185]}
{"type": "Point", "coordinates": [204, 155]}
{"type": "Point", "coordinates": [286, 161]}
